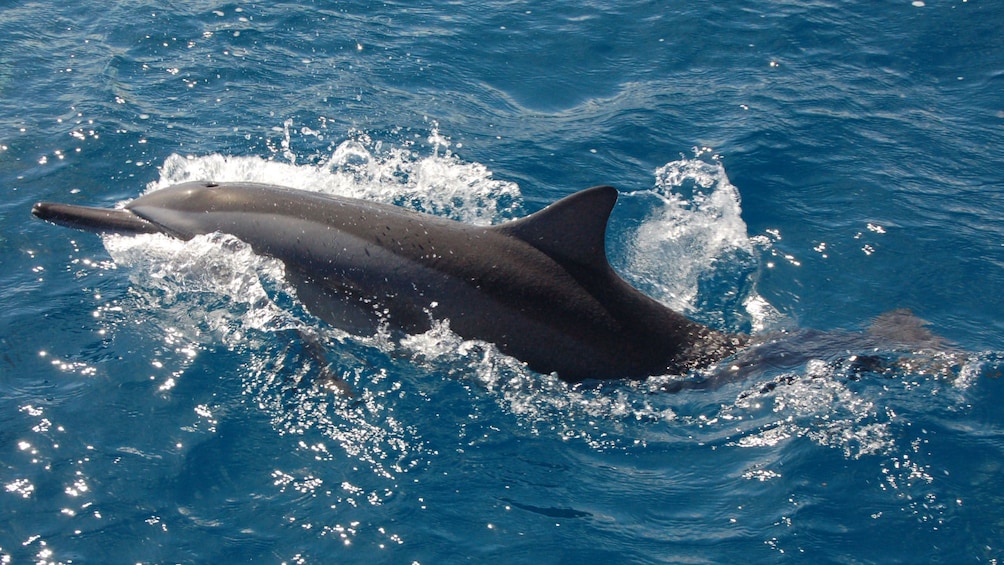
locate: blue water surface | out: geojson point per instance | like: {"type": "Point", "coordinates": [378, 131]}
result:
{"type": "Point", "coordinates": [794, 167]}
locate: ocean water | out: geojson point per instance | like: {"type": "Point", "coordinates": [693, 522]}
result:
{"type": "Point", "coordinates": [790, 169]}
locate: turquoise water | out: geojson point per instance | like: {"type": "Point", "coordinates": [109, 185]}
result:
{"type": "Point", "coordinates": [796, 167]}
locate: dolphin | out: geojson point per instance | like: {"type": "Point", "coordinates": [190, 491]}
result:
{"type": "Point", "coordinates": [540, 288]}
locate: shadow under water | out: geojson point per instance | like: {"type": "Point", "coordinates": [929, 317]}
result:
{"type": "Point", "coordinates": [896, 342]}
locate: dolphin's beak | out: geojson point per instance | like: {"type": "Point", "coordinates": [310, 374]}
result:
{"type": "Point", "coordinates": [86, 218]}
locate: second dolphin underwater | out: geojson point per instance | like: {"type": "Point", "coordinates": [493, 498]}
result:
{"type": "Point", "coordinates": [540, 288]}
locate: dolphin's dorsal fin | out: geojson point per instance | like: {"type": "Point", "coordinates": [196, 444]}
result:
{"type": "Point", "coordinates": [572, 230]}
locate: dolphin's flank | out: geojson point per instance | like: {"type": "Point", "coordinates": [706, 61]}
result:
{"type": "Point", "coordinates": [540, 288]}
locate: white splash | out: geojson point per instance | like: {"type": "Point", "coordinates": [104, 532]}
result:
{"type": "Point", "coordinates": [439, 184]}
{"type": "Point", "coordinates": [693, 238]}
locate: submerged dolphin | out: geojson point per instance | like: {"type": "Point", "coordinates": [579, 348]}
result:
{"type": "Point", "coordinates": [540, 288]}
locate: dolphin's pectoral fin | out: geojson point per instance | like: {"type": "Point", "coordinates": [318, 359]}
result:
{"type": "Point", "coordinates": [346, 306]}
{"type": "Point", "coordinates": [338, 304]}
{"type": "Point", "coordinates": [328, 379]}
{"type": "Point", "coordinates": [335, 383]}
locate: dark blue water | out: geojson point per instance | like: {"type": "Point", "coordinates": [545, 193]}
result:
{"type": "Point", "coordinates": [784, 166]}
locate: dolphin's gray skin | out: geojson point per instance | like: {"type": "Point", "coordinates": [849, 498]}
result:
{"type": "Point", "coordinates": [540, 288]}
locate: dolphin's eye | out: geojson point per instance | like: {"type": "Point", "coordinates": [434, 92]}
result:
{"type": "Point", "coordinates": [212, 184]}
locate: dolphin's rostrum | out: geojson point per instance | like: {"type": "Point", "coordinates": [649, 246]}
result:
{"type": "Point", "coordinates": [540, 288]}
